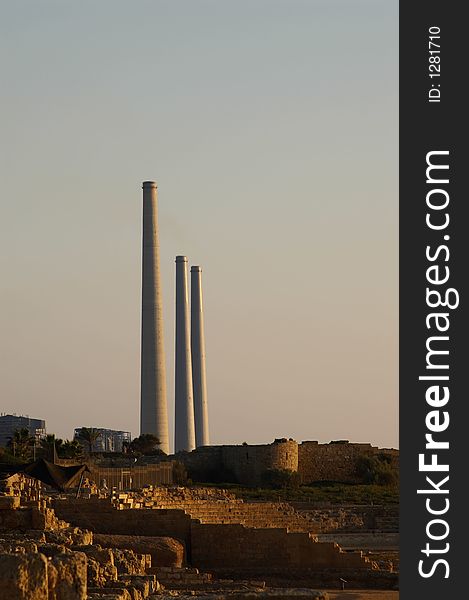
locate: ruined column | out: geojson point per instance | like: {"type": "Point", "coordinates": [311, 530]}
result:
{"type": "Point", "coordinates": [198, 359]}
{"type": "Point", "coordinates": [153, 406]}
{"type": "Point", "coordinates": [184, 401]}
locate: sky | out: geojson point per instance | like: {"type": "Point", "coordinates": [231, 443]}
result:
{"type": "Point", "coordinates": [271, 129]}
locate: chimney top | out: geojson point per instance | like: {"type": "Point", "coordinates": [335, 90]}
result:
{"type": "Point", "coordinates": [196, 269]}
{"type": "Point", "coordinates": [181, 259]}
{"type": "Point", "coordinates": [149, 184]}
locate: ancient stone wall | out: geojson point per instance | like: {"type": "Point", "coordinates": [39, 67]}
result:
{"type": "Point", "coordinates": [336, 461]}
{"type": "Point", "coordinates": [245, 464]}
{"type": "Point", "coordinates": [364, 541]}
{"type": "Point", "coordinates": [350, 518]}
{"type": "Point", "coordinates": [164, 551]}
{"type": "Point", "coordinates": [204, 463]}
{"type": "Point", "coordinates": [249, 463]}
{"type": "Point", "coordinates": [265, 548]}
{"type": "Point", "coordinates": [35, 515]}
{"type": "Point", "coordinates": [214, 505]}
{"type": "Point", "coordinates": [98, 515]}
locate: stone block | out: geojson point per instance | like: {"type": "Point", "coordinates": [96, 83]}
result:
{"type": "Point", "coordinates": [70, 577]}
{"type": "Point", "coordinates": [128, 562]}
{"type": "Point", "coordinates": [103, 556]}
{"type": "Point", "coordinates": [81, 537]}
{"type": "Point", "coordinates": [24, 577]}
{"type": "Point", "coordinates": [164, 551]}
{"type": "Point", "coordinates": [146, 584]}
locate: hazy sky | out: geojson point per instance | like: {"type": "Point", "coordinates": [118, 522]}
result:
{"type": "Point", "coordinates": [271, 129]}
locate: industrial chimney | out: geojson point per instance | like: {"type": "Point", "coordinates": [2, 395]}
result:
{"type": "Point", "coordinates": [198, 359]}
{"type": "Point", "coordinates": [184, 401]}
{"type": "Point", "coordinates": [153, 407]}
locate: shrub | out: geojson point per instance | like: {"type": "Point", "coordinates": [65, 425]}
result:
{"type": "Point", "coordinates": [377, 470]}
{"type": "Point", "coordinates": [281, 479]}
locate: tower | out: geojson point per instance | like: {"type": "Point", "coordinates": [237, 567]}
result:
{"type": "Point", "coordinates": [184, 401]}
{"type": "Point", "coordinates": [198, 359]}
{"type": "Point", "coordinates": [153, 406]}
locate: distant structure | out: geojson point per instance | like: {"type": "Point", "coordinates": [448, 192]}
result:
{"type": "Point", "coordinates": [251, 465]}
{"type": "Point", "coordinates": [184, 401]}
{"type": "Point", "coordinates": [198, 359]}
{"type": "Point", "coordinates": [10, 423]}
{"type": "Point", "coordinates": [153, 405]}
{"type": "Point", "coordinates": [110, 440]}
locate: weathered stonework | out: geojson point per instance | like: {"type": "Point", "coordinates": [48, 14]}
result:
{"type": "Point", "coordinates": [43, 558]}
{"type": "Point", "coordinates": [70, 580]}
{"type": "Point", "coordinates": [336, 461]}
{"type": "Point", "coordinates": [101, 517]}
{"type": "Point", "coordinates": [164, 551]}
{"type": "Point", "coordinates": [101, 547]}
{"type": "Point", "coordinates": [245, 547]}
{"type": "Point", "coordinates": [23, 576]}
{"type": "Point", "coordinates": [350, 518]}
{"type": "Point", "coordinates": [221, 532]}
{"type": "Point", "coordinates": [247, 464]}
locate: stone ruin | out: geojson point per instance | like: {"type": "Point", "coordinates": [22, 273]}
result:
{"type": "Point", "coordinates": [45, 558]}
{"type": "Point", "coordinates": [248, 464]}
{"type": "Point", "coordinates": [166, 543]}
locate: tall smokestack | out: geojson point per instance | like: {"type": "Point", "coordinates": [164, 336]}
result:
{"type": "Point", "coordinates": [153, 407]}
{"type": "Point", "coordinates": [198, 359]}
{"type": "Point", "coordinates": [184, 421]}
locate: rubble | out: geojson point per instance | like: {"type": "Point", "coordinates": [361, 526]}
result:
{"type": "Point", "coordinates": [45, 557]}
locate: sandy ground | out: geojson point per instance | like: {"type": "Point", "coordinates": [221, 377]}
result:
{"type": "Point", "coordinates": [363, 595]}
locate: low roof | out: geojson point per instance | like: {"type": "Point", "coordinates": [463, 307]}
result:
{"type": "Point", "coordinates": [54, 475]}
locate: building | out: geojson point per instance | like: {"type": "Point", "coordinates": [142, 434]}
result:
{"type": "Point", "coordinates": [250, 465]}
{"type": "Point", "coordinates": [109, 440]}
{"type": "Point", "coordinates": [10, 423]}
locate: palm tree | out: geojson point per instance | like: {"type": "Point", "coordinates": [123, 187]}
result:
{"type": "Point", "coordinates": [50, 446]}
{"type": "Point", "coordinates": [89, 435]}
{"type": "Point", "coordinates": [21, 443]}
{"type": "Point", "coordinates": [71, 449]}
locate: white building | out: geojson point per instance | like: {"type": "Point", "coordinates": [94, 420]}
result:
{"type": "Point", "coordinates": [109, 440]}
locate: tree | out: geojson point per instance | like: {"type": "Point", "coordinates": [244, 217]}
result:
{"type": "Point", "coordinates": [145, 444]}
{"type": "Point", "coordinates": [71, 449]}
{"type": "Point", "coordinates": [47, 445]}
{"type": "Point", "coordinates": [6, 456]}
{"type": "Point", "coordinates": [378, 470]}
{"type": "Point", "coordinates": [21, 443]}
{"type": "Point", "coordinates": [63, 448]}
{"type": "Point", "coordinates": [89, 435]}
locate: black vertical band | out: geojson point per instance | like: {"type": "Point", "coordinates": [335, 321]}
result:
{"type": "Point", "coordinates": [433, 298]}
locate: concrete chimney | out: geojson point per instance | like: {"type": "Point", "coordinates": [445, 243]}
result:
{"type": "Point", "coordinates": [198, 359]}
{"type": "Point", "coordinates": [184, 399]}
{"type": "Point", "coordinates": [153, 406]}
